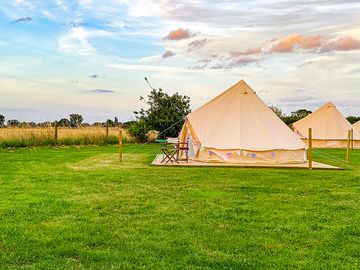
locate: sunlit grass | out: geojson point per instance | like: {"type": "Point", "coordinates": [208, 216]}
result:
{"type": "Point", "coordinates": [81, 208]}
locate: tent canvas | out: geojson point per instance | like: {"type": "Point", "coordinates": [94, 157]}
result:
{"type": "Point", "coordinates": [330, 128]}
{"type": "Point", "coordinates": [238, 127]}
{"type": "Point", "coordinates": [357, 126]}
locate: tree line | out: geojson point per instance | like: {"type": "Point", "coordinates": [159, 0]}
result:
{"type": "Point", "coordinates": [74, 121]}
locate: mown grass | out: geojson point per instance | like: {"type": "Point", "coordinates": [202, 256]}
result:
{"type": "Point", "coordinates": [79, 208]}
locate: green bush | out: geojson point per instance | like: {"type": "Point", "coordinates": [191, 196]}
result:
{"type": "Point", "coordinates": [138, 131]}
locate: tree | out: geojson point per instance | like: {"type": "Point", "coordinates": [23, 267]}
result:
{"type": "Point", "coordinates": [2, 120]}
{"type": "Point", "coordinates": [13, 123]}
{"type": "Point", "coordinates": [64, 122]}
{"type": "Point", "coordinates": [31, 124]}
{"type": "Point", "coordinates": [110, 123]}
{"type": "Point", "coordinates": [45, 124]}
{"type": "Point", "coordinates": [116, 121]}
{"type": "Point", "coordinates": [353, 119]}
{"type": "Point", "coordinates": [137, 129]}
{"type": "Point", "coordinates": [277, 111]}
{"type": "Point", "coordinates": [300, 114]}
{"type": "Point", "coordinates": [296, 116]}
{"type": "Point", "coordinates": [97, 124]}
{"type": "Point", "coordinates": [127, 124]}
{"type": "Point", "coordinates": [166, 112]}
{"type": "Point", "coordinates": [75, 120]}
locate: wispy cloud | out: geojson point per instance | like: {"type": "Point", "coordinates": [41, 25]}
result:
{"type": "Point", "coordinates": [179, 34]}
{"type": "Point", "coordinates": [299, 96]}
{"type": "Point", "coordinates": [103, 91]}
{"type": "Point", "coordinates": [75, 24]}
{"type": "Point", "coordinates": [77, 41]}
{"type": "Point", "coordinates": [22, 19]}
{"type": "Point", "coordinates": [291, 44]}
{"type": "Point", "coordinates": [225, 63]}
{"type": "Point", "coordinates": [168, 54]}
{"type": "Point", "coordinates": [250, 51]}
{"type": "Point", "coordinates": [165, 69]}
{"type": "Point", "coordinates": [342, 44]}
{"type": "Point", "coordinates": [235, 63]}
{"type": "Point", "coordinates": [61, 4]}
{"type": "Point", "coordinates": [197, 44]}
{"type": "Point", "coordinates": [297, 43]}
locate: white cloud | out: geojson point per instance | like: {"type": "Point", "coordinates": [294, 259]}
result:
{"type": "Point", "coordinates": [18, 2]}
{"type": "Point", "coordinates": [146, 8]}
{"type": "Point", "coordinates": [150, 58]}
{"type": "Point", "coordinates": [77, 41]}
{"type": "Point", "coordinates": [148, 68]}
{"type": "Point", "coordinates": [61, 4]}
{"type": "Point", "coordinates": [85, 3]}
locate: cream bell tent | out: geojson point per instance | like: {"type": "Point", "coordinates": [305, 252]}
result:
{"type": "Point", "coordinates": [238, 127]}
{"type": "Point", "coordinates": [356, 126]}
{"type": "Point", "coordinates": [329, 127]}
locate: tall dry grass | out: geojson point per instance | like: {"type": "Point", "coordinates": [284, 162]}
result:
{"type": "Point", "coordinates": [24, 137]}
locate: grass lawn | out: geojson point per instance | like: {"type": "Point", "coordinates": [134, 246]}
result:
{"type": "Point", "coordinates": [78, 208]}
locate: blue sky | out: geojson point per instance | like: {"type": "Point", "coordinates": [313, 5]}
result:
{"type": "Point", "coordinates": [90, 56]}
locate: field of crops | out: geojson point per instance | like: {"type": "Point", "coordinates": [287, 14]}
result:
{"type": "Point", "coordinates": [24, 137]}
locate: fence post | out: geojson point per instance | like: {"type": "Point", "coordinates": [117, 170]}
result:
{"type": "Point", "coordinates": [56, 132]}
{"type": "Point", "coordinates": [120, 144]}
{"type": "Point", "coordinates": [352, 138]}
{"type": "Point", "coordinates": [310, 149]}
{"type": "Point", "coordinates": [348, 147]}
{"type": "Point", "coordinates": [107, 129]}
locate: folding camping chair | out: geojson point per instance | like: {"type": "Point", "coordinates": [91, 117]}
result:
{"type": "Point", "coordinates": [183, 147]}
{"type": "Point", "coordinates": [170, 150]}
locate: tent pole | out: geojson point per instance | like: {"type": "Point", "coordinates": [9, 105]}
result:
{"type": "Point", "coordinates": [310, 149]}
{"type": "Point", "coordinates": [348, 147]}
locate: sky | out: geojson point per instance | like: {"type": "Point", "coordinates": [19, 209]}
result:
{"type": "Point", "coordinates": [91, 56]}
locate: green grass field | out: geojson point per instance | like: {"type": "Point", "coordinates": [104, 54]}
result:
{"type": "Point", "coordinates": [79, 208]}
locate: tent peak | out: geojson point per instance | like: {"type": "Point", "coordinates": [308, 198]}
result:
{"type": "Point", "coordinates": [329, 104]}
{"type": "Point", "coordinates": [243, 87]}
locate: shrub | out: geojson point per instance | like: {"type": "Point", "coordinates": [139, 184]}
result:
{"type": "Point", "coordinates": [137, 130]}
